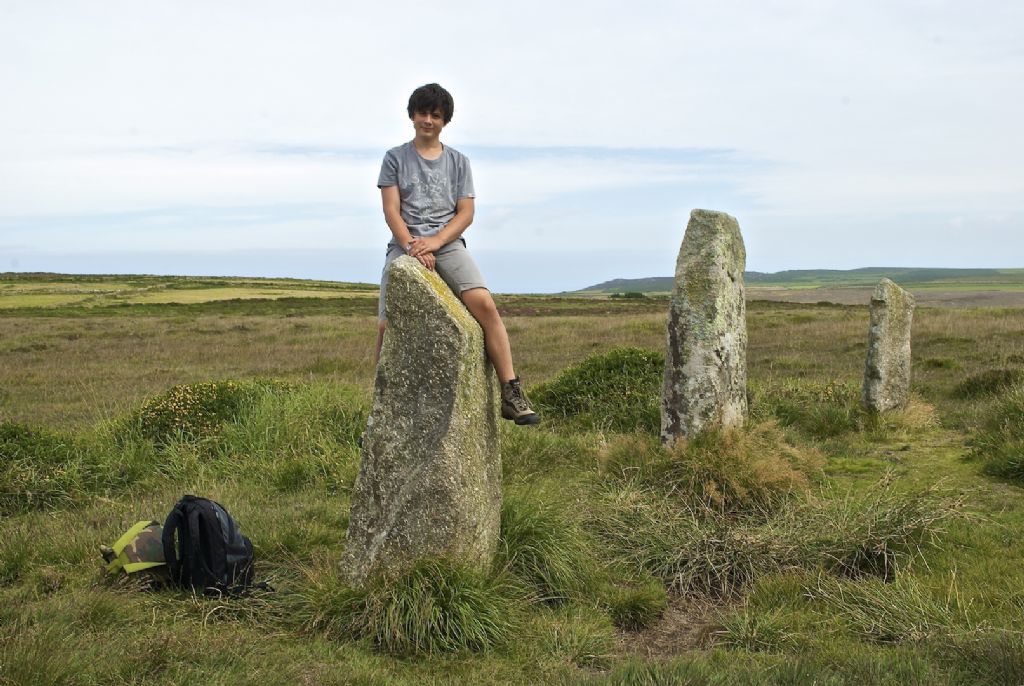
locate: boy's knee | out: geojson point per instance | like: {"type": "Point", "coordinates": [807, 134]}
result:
{"type": "Point", "coordinates": [381, 325]}
{"type": "Point", "coordinates": [479, 302]}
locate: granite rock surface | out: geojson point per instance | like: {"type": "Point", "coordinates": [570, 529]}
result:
{"type": "Point", "coordinates": [706, 357]}
{"type": "Point", "coordinates": [429, 482]}
{"type": "Point", "coordinates": [887, 371]}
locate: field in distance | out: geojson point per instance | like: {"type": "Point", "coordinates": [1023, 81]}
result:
{"type": "Point", "coordinates": [56, 291]}
{"type": "Point", "coordinates": [934, 287]}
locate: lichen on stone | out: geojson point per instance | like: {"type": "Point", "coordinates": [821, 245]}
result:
{"type": "Point", "coordinates": [705, 363]}
{"type": "Point", "coordinates": [429, 481]}
{"type": "Point", "coordinates": [887, 370]}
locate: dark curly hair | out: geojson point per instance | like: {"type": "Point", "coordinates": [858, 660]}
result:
{"type": "Point", "coordinates": [432, 97]}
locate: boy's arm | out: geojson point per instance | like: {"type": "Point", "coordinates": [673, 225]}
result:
{"type": "Point", "coordinates": [393, 216]}
{"type": "Point", "coordinates": [392, 202]}
{"type": "Point", "coordinates": [452, 230]}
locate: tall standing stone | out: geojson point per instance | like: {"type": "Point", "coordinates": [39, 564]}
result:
{"type": "Point", "coordinates": [706, 361]}
{"type": "Point", "coordinates": [429, 482]}
{"type": "Point", "coordinates": [887, 372]}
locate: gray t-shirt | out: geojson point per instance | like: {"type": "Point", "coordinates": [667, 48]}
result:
{"type": "Point", "coordinates": [429, 189]}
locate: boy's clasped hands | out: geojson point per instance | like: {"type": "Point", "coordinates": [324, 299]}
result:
{"type": "Point", "coordinates": [423, 248]}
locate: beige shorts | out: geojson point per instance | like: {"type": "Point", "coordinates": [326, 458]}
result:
{"type": "Point", "coordinates": [453, 263]}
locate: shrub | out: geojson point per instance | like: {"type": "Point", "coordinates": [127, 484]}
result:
{"type": "Point", "coordinates": [436, 607]}
{"type": "Point", "coordinates": [197, 411]}
{"type": "Point", "coordinates": [744, 470]}
{"type": "Point", "coordinates": [999, 443]}
{"type": "Point", "coordinates": [988, 382]}
{"type": "Point", "coordinates": [546, 548]}
{"type": "Point", "coordinates": [614, 391]}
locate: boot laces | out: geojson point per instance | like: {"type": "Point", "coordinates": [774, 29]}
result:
{"type": "Point", "coordinates": [516, 398]}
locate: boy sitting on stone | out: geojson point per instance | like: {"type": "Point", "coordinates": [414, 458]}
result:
{"type": "Point", "coordinates": [427, 191]}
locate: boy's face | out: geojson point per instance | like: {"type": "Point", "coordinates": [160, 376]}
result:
{"type": "Point", "coordinates": [428, 124]}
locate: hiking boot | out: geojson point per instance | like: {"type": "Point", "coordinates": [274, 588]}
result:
{"type": "Point", "coordinates": [514, 404]}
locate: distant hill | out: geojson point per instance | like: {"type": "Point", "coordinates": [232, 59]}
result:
{"type": "Point", "coordinates": [837, 278]}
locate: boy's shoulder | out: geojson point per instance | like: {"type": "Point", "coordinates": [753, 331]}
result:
{"type": "Point", "coordinates": [399, 150]}
{"type": "Point", "coordinates": [408, 149]}
{"type": "Point", "coordinates": [455, 153]}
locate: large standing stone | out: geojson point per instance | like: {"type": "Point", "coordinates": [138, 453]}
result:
{"type": "Point", "coordinates": [706, 361]}
{"type": "Point", "coordinates": [429, 481]}
{"type": "Point", "coordinates": [887, 372]}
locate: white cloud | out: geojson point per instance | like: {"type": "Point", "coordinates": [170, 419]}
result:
{"type": "Point", "coordinates": [859, 107]}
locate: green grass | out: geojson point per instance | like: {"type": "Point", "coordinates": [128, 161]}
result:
{"type": "Point", "coordinates": [999, 444]}
{"type": "Point", "coordinates": [814, 545]}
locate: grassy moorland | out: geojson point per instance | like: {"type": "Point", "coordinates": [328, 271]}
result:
{"type": "Point", "coordinates": [914, 279]}
{"type": "Point", "coordinates": [932, 287]}
{"type": "Point", "coordinates": [815, 545]}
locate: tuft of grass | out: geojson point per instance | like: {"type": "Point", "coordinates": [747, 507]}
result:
{"type": "Point", "coordinates": [583, 636]}
{"type": "Point", "coordinates": [436, 607]}
{"type": "Point", "coordinates": [756, 631]}
{"type": "Point", "coordinates": [749, 470]}
{"type": "Point", "coordinates": [994, 657]}
{"type": "Point", "coordinates": [899, 612]}
{"type": "Point", "coordinates": [524, 453]}
{"type": "Point", "coordinates": [988, 382]}
{"type": "Point", "coordinates": [875, 533]}
{"type": "Point", "coordinates": [297, 421]}
{"type": "Point", "coordinates": [697, 550]}
{"type": "Point", "coordinates": [545, 547]}
{"type": "Point", "coordinates": [816, 409]}
{"type": "Point", "coordinates": [618, 390]}
{"type": "Point", "coordinates": [999, 443]}
{"type": "Point", "coordinates": [636, 605]}
{"type": "Point", "coordinates": [917, 416]}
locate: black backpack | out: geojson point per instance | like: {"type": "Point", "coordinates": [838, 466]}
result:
{"type": "Point", "coordinates": [211, 555]}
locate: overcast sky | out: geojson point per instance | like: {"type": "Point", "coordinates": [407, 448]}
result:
{"type": "Point", "coordinates": [245, 138]}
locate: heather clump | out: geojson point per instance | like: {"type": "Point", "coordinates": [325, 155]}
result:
{"type": "Point", "coordinates": [198, 411]}
{"type": "Point", "coordinates": [613, 391]}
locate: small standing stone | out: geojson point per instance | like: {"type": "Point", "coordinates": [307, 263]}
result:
{"type": "Point", "coordinates": [706, 361]}
{"type": "Point", "coordinates": [429, 481]}
{"type": "Point", "coordinates": [887, 372]}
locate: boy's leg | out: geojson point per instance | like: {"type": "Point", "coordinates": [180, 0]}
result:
{"type": "Point", "coordinates": [459, 271]}
{"type": "Point", "coordinates": [393, 253]}
{"type": "Point", "coordinates": [381, 325]}
{"type": "Point", "coordinates": [481, 305]}
{"type": "Point", "coordinates": [514, 404]}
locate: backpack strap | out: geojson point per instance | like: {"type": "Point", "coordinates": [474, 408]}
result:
{"type": "Point", "coordinates": [121, 559]}
{"type": "Point", "coordinates": [174, 524]}
{"type": "Point", "coordinates": [199, 565]}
